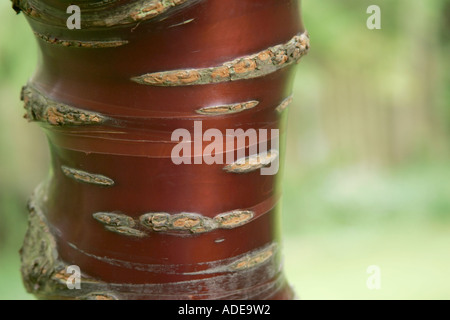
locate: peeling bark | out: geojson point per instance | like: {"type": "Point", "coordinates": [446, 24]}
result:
{"type": "Point", "coordinates": [86, 177]}
{"type": "Point", "coordinates": [254, 66]}
{"type": "Point", "coordinates": [109, 98]}
{"type": "Point", "coordinates": [164, 222]}
{"type": "Point", "coordinates": [228, 109]}
{"type": "Point", "coordinates": [81, 44]}
{"type": "Point", "coordinates": [99, 14]}
{"type": "Point", "coordinates": [44, 109]}
{"type": "Point", "coordinates": [252, 163]}
{"type": "Point", "coordinates": [285, 104]}
{"type": "Point", "coordinates": [45, 273]}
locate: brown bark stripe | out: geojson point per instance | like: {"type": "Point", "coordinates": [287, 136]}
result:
{"type": "Point", "coordinates": [81, 44]}
{"type": "Point", "coordinates": [283, 106]}
{"type": "Point", "coordinates": [119, 223]}
{"type": "Point", "coordinates": [249, 260]}
{"type": "Point", "coordinates": [228, 109]}
{"type": "Point", "coordinates": [233, 219]}
{"type": "Point", "coordinates": [165, 222]}
{"type": "Point", "coordinates": [46, 274]}
{"type": "Point", "coordinates": [193, 222]}
{"type": "Point", "coordinates": [252, 163]}
{"type": "Point", "coordinates": [127, 231]}
{"type": "Point", "coordinates": [99, 14]}
{"type": "Point", "coordinates": [44, 109]}
{"type": "Point", "coordinates": [114, 219]}
{"type": "Point", "coordinates": [98, 296]}
{"type": "Point", "coordinates": [253, 66]}
{"type": "Point", "coordinates": [86, 177]}
{"type": "Point", "coordinates": [254, 259]}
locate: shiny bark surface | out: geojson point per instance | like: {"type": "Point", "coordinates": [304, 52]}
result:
{"type": "Point", "coordinates": [109, 97]}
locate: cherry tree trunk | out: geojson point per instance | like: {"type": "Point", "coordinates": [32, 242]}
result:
{"type": "Point", "coordinates": [137, 219]}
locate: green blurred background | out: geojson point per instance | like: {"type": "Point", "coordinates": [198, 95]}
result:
{"type": "Point", "coordinates": [367, 179]}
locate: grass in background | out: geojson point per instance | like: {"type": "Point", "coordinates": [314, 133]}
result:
{"type": "Point", "coordinates": [339, 222]}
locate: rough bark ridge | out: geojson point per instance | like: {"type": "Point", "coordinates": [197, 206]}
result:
{"type": "Point", "coordinates": [109, 97]}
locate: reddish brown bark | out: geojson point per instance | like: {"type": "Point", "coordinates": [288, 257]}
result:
{"type": "Point", "coordinates": [109, 97]}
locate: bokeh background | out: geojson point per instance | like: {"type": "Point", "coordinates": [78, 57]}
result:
{"type": "Point", "coordinates": [367, 179]}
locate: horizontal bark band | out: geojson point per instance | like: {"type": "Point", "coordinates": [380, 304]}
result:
{"type": "Point", "coordinates": [41, 108]}
{"type": "Point", "coordinates": [227, 109]}
{"type": "Point", "coordinates": [244, 261]}
{"type": "Point", "coordinates": [252, 163]}
{"type": "Point", "coordinates": [99, 14]}
{"type": "Point", "coordinates": [45, 274]}
{"type": "Point", "coordinates": [86, 177]}
{"type": "Point", "coordinates": [249, 67]}
{"type": "Point", "coordinates": [181, 223]}
{"type": "Point", "coordinates": [164, 222]}
{"type": "Point", "coordinates": [284, 104]}
{"type": "Point", "coordinates": [81, 44]}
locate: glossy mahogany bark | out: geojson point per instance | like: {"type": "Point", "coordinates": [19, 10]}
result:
{"type": "Point", "coordinates": [119, 162]}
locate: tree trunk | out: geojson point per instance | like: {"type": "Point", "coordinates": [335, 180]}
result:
{"type": "Point", "coordinates": [126, 98]}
